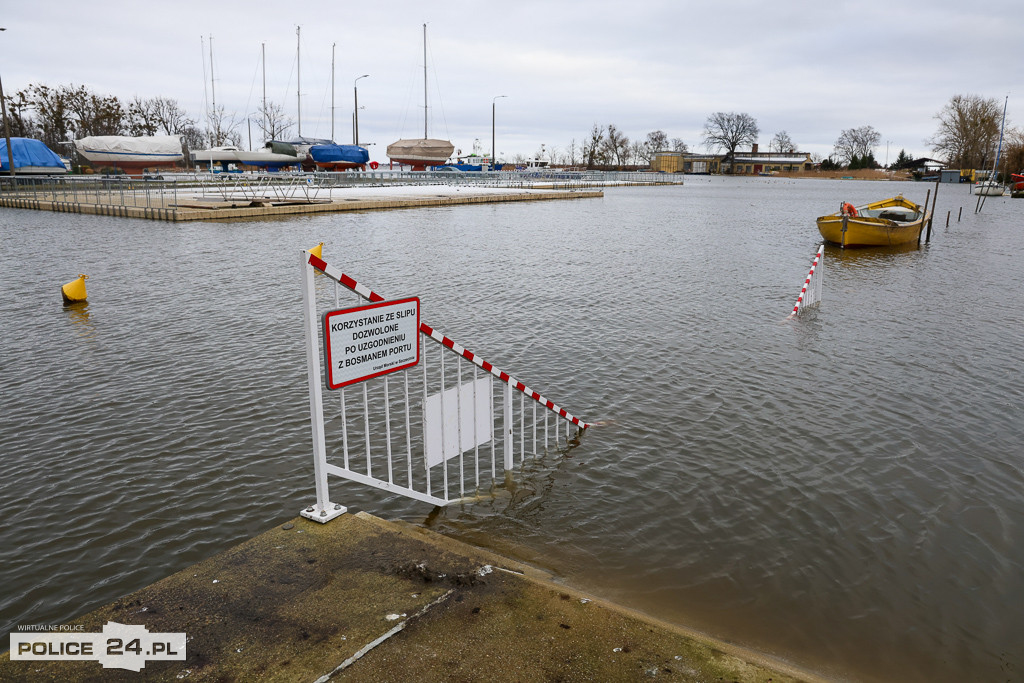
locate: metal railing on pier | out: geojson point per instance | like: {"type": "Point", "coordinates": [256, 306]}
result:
{"type": "Point", "coordinates": [167, 189]}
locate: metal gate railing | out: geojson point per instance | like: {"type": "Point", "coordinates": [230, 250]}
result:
{"type": "Point", "coordinates": [427, 432]}
{"type": "Point", "coordinates": [810, 294]}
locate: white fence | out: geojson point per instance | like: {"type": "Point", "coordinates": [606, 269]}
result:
{"type": "Point", "coordinates": [429, 432]}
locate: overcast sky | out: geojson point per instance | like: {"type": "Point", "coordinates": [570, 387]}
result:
{"type": "Point", "coordinates": [812, 68]}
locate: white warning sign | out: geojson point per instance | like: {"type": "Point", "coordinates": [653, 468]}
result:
{"type": "Point", "coordinates": [371, 340]}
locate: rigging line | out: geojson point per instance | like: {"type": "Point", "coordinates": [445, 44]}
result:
{"type": "Point", "coordinates": [437, 87]}
{"type": "Point", "coordinates": [206, 101]}
{"type": "Point", "coordinates": [252, 85]}
{"type": "Point", "coordinates": [403, 119]}
{"type": "Point", "coordinates": [323, 105]}
{"type": "Point", "coordinates": [288, 86]}
{"type": "Point", "coordinates": [320, 117]}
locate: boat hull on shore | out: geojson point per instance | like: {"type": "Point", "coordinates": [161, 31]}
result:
{"type": "Point", "coordinates": [131, 154]}
{"type": "Point", "coordinates": [339, 157]}
{"type": "Point", "coordinates": [888, 222]}
{"type": "Point", "coordinates": [420, 153]}
{"type": "Point", "coordinates": [31, 157]}
{"type": "Point", "coordinates": [277, 156]}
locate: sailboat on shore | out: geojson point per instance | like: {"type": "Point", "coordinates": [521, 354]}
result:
{"type": "Point", "coordinates": [989, 187]}
{"type": "Point", "coordinates": [421, 152]}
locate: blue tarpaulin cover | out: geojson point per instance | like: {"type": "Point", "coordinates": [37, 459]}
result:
{"type": "Point", "coordinates": [30, 152]}
{"type": "Point", "coordinates": [351, 154]}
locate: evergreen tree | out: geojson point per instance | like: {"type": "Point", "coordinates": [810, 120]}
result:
{"type": "Point", "coordinates": [902, 161]}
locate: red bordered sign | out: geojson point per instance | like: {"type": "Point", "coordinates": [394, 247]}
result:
{"type": "Point", "coordinates": [372, 340]}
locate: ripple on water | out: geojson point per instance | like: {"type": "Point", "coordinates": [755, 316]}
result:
{"type": "Point", "coordinates": [842, 483]}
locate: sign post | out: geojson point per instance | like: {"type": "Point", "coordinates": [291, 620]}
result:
{"type": "Point", "coordinates": [324, 510]}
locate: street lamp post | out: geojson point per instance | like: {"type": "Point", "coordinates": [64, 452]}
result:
{"type": "Point", "coordinates": [7, 130]}
{"type": "Point", "coordinates": [355, 111]}
{"type": "Point", "coordinates": [494, 153]}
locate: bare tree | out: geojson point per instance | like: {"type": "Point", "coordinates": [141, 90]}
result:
{"type": "Point", "coordinates": [95, 114]}
{"type": "Point", "coordinates": [857, 142]}
{"type": "Point", "coordinates": [141, 117]}
{"type": "Point", "coordinates": [54, 117]}
{"type": "Point", "coordinates": [223, 128]}
{"type": "Point", "coordinates": [1013, 150]}
{"type": "Point", "coordinates": [679, 146]}
{"type": "Point", "coordinates": [170, 118]}
{"type": "Point", "coordinates": [729, 130]}
{"type": "Point", "coordinates": [194, 138]}
{"type": "Point", "coordinates": [555, 155]}
{"type": "Point", "coordinates": [570, 154]}
{"type": "Point", "coordinates": [19, 117]}
{"type": "Point", "coordinates": [592, 148]}
{"type": "Point", "coordinates": [616, 145]}
{"type": "Point", "coordinates": [273, 123]}
{"type": "Point", "coordinates": [781, 143]}
{"type": "Point", "coordinates": [968, 131]}
{"type": "Point", "coordinates": [657, 140]}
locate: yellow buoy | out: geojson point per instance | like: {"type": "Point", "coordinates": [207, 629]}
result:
{"type": "Point", "coordinates": [317, 251]}
{"type": "Point", "coordinates": [74, 290]}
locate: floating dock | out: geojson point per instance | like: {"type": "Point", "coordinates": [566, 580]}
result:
{"type": "Point", "coordinates": [363, 599]}
{"type": "Point", "coordinates": [185, 206]}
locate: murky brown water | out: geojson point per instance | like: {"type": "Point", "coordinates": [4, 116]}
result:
{"type": "Point", "coordinates": [844, 490]}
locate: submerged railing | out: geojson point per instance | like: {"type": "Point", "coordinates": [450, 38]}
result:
{"type": "Point", "coordinates": [810, 293]}
{"type": "Point", "coordinates": [428, 432]}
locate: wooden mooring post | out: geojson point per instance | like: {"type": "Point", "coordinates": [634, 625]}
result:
{"type": "Point", "coordinates": [927, 198]}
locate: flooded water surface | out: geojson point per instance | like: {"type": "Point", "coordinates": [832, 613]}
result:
{"type": "Point", "coordinates": [843, 490]}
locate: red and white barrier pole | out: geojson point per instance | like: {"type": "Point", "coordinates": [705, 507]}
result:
{"type": "Point", "coordinates": [803, 292]}
{"type": "Point", "coordinates": [369, 294]}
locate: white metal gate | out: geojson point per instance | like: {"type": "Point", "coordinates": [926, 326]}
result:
{"type": "Point", "coordinates": [428, 432]}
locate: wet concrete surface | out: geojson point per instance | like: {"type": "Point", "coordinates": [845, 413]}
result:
{"type": "Point", "coordinates": [363, 599]}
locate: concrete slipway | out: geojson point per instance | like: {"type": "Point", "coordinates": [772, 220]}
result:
{"type": "Point", "coordinates": [363, 599]}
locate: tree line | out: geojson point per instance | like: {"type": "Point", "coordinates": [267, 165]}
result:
{"type": "Point", "coordinates": [967, 133]}
{"type": "Point", "coordinates": [967, 137]}
{"type": "Point", "coordinates": [57, 115]}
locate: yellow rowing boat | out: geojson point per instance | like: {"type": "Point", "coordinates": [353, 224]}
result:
{"type": "Point", "coordinates": [888, 222]}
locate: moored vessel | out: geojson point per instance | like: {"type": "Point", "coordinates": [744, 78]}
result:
{"type": "Point", "coordinates": [887, 222]}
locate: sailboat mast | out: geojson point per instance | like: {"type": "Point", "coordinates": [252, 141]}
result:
{"type": "Point", "coordinates": [332, 91]}
{"type": "Point", "coordinates": [298, 77]}
{"type": "Point", "coordinates": [991, 182]}
{"type": "Point", "coordinates": [999, 149]}
{"type": "Point", "coordinates": [263, 60]}
{"type": "Point", "coordinates": [213, 100]}
{"type": "Point", "coordinates": [206, 94]}
{"type": "Point", "coordinates": [424, 81]}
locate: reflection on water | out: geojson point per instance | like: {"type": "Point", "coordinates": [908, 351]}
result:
{"type": "Point", "coordinates": [887, 254]}
{"type": "Point", "coordinates": [78, 315]}
{"type": "Point", "coordinates": [843, 483]}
